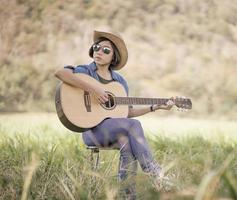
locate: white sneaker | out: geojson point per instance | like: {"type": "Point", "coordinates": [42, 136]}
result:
{"type": "Point", "coordinates": [164, 182]}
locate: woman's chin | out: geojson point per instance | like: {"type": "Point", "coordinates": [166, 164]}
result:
{"type": "Point", "coordinates": [99, 63]}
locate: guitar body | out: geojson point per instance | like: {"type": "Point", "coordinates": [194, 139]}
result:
{"type": "Point", "coordinates": [78, 110]}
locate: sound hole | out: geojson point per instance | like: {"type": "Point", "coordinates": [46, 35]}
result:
{"type": "Point", "coordinates": [110, 104]}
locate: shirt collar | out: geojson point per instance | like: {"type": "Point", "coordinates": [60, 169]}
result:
{"type": "Point", "coordinates": [94, 68]}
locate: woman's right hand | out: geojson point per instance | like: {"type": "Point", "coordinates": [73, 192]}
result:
{"type": "Point", "coordinates": [100, 95]}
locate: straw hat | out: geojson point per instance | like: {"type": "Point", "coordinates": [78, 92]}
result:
{"type": "Point", "coordinates": [118, 42]}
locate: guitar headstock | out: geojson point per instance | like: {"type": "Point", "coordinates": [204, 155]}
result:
{"type": "Point", "coordinates": [183, 103]}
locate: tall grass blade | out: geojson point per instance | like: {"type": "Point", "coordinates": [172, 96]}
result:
{"type": "Point", "coordinates": [211, 181]}
{"type": "Point", "coordinates": [64, 187]}
{"type": "Point", "coordinates": [231, 182]}
{"type": "Point", "coordinates": [31, 168]}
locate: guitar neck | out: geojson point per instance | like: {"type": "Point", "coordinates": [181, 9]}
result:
{"type": "Point", "coordinates": [140, 101]}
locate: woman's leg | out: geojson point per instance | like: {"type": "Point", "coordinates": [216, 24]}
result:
{"type": "Point", "coordinates": [127, 169]}
{"type": "Point", "coordinates": [117, 138]}
{"type": "Point", "coordinates": [127, 161]}
{"type": "Point", "coordinates": [109, 131]}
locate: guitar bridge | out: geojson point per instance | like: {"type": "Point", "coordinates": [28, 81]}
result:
{"type": "Point", "coordinates": [87, 101]}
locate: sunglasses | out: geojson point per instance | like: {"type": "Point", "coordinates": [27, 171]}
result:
{"type": "Point", "coordinates": [97, 47]}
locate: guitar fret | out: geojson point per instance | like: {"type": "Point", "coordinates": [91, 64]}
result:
{"type": "Point", "coordinates": [134, 100]}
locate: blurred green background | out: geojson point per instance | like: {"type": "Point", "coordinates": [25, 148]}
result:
{"type": "Point", "coordinates": [176, 47]}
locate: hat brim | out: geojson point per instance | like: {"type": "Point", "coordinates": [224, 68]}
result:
{"type": "Point", "coordinates": [118, 42]}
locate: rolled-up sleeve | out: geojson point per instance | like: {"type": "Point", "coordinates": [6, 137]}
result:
{"type": "Point", "coordinates": [77, 69]}
{"type": "Point", "coordinates": [81, 69]}
{"type": "Point", "coordinates": [69, 67]}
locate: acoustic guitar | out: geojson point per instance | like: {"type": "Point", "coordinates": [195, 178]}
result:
{"type": "Point", "coordinates": [78, 110]}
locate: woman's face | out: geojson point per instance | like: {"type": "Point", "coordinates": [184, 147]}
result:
{"type": "Point", "coordinates": [103, 53]}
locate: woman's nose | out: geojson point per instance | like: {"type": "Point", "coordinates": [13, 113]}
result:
{"type": "Point", "coordinates": [99, 51]}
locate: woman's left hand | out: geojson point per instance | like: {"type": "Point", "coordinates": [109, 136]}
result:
{"type": "Point", "coordinates": [168, 106]}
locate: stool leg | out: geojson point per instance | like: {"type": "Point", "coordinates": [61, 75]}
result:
{"type": "Point", "coordinates": [91, 159]}
{"type": "Point", "coordinates": [94, 164]}
{"type": "Point", "coordinates": [97, 160]}
{"type": "Point", "coordinates": [94, 167]}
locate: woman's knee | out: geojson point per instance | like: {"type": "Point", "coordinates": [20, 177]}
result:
{"type": "Point", "coordinates": [136, 128]}
{"type": "Point", "coordinates": [129, 124]}
{"type": "Point", "coordinates": [135, 123]}
{"type": "Point", "coordinates": [90, 139]}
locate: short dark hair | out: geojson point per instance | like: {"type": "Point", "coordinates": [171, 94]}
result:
{"type": "Point", "coordinates": [116, 57]}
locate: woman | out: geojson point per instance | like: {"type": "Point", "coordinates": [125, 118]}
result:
{"type": "Point", "coordinates": [109, 53]}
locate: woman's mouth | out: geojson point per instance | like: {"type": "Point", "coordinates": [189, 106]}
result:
{"type": "Point", "coordinates": [98, 58]}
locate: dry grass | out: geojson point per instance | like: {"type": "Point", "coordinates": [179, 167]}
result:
{"type": "Point", "coordinates": [40, 159]}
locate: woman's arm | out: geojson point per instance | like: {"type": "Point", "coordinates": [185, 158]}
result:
{"type": "Point", "coordinates": [136, 112]}
{"type": "Point", "coordinates": [66, 75]}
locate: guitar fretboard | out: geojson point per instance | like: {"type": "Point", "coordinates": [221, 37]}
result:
{"type": "Point", "coordinates": [140, 101]}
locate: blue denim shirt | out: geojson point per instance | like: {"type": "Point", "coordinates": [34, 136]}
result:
{"type": "Point", "coordinates": [91, 71]}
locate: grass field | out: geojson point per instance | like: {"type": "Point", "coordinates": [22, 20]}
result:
{"type": "Point", "coordinates": [40, 159]}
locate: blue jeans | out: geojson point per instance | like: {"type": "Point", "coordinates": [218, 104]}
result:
{"type": "Point", "coordinates": [127, 135]}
